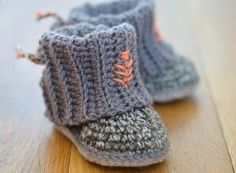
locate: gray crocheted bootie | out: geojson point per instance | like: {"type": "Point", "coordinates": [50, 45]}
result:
{"type": "Point", "coordinates": [166, 75]}
{"type": "Point", "coordinates": [94, 94]}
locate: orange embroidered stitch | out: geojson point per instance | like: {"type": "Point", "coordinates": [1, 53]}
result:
{"type": "Point", "coordinates": [124, 70]}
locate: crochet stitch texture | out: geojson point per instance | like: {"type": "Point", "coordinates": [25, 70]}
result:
{"type": "Point", "coordinates": [132, 139]}
{"type": "Point", "coordinates": [78, 79]}
{"type": "Point", "coordinates": [166, 75]}
{"type": "Point", "coordinates": [110, 123]}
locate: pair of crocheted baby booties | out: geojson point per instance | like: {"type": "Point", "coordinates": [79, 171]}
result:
{"type": "Point", "coordinates": [104, 67]}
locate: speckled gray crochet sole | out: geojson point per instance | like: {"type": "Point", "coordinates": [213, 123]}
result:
{"type": "Point", "coordinates": [141, 140]}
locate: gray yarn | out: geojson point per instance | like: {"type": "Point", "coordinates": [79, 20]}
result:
{"type": "Point", "coordinates": [140, 127]}
{"type": "Point", "coordinates": [132, 139]}
{"type": "Point", "coordinates": [77, 81]}
{"type": "Point", "coordinates": [109, 123]}
{"type": "Point", "coordinates": [156, 59]}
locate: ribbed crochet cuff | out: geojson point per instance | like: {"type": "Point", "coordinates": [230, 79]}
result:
{"type": "Point", "coordinates": [91, 72]}
{"type": "Point", "coordinates": [138, 13]}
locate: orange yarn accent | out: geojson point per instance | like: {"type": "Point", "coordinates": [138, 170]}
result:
{"type": "Point", "coordinates": [126, 69]}
{"type": "Point", "coordinates": [156, 30]}
{"type": "Point", "coordinates": [41, 15]}
{"type": "Point", "coordinates": [19, 54]}
{"type": "Point", "coordinates": [124, 55]}
{"type": "Point", "coordinates": [31, 57]}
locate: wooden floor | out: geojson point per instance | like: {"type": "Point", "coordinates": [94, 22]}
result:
{"type": "Point", "coordinates": [202, 128]}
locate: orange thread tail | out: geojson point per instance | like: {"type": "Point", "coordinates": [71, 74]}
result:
{"type": "Point", "coordinates": [19, 54]}
{"type": "Point", "coordinates": [41, 15]}
{"type": "Point", "coordinates": [31, 57]}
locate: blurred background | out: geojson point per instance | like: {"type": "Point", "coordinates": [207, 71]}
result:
{"type": "Point", "coordinates": [202, 128]}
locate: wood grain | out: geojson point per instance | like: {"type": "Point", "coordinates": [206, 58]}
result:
{"type": "Point", "coordinates": [201, 128]}
{"type": "Point", "coordinates": [218, 57]}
